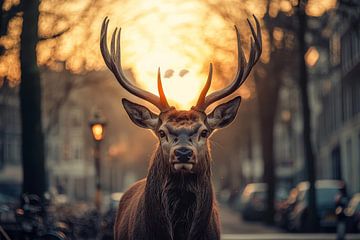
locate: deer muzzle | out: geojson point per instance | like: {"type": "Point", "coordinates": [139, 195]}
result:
{"type": "Point", "coordinates": [183, 158]}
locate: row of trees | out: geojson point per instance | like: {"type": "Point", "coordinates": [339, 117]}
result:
{"type": "Point", "coordinates": [284, 30]}
{"type": "Point", "coordinates": [25, 45]}
{"type": "Point", "coordinates": [284, 27]}
{"type": "Point", "coordinates": [30, 92]}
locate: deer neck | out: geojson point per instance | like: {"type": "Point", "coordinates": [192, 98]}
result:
{"type": "Point", "coordinates": [176, 200]}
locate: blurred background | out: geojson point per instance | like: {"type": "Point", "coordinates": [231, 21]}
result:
{"type": "Point", "coordinates": [68, 149]}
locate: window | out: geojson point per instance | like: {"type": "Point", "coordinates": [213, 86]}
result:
{"type": "Point", "coordinates": [17, 152]}
{"type": "Point", "coordinates": [75, 151]}
{"type": "Point", "coordinates": [358, 160]}
{"type": "Point", "coordinates": [56, 153]}
{"type": "Point", "coordinates": [356, 40]}
{"type": "Point", "coordinates": [7, 151]}
{"type": "Point", "coordinates": [335, 49]}
{"type": "Point", "coordinates": [336, 163]}
{"type": "Point", "coordinates": [76, 118]}
{"type": "Point", "coordinates": [357, 96]}
{"type": "Point", "coordinates": [347, 102]}
{"type": "Point", "coordinates": [349, 161]}
{"type": "Point", "coordinates": [2, 160]}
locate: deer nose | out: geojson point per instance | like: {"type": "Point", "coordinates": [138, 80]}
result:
{"type": "Point", "coordinates": [183, 154]}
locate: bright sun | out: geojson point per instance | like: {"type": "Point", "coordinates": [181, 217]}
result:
{"type": "Point", "coordinates": [170, 36]}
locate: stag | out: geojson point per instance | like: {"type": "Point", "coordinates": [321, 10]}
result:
{"type": "Point", "coordinates": [176, 200]}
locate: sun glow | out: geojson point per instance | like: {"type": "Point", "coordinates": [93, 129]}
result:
{"type": "Point", "coordinates": [174, 35]}
{"type": "Point", "coordinates": [181, 90]}
{"type": "Point", "coordinates": [171, 35]}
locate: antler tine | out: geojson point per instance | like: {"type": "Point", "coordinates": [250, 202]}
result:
{"type": "Point", "coordinates": [113, 62]}
{"type": "Point", "coordinates": [103, 44]}
{"type": "Point", "coordinates": [113, 47]}
{"type": "Point", "coordinates": [161, 91]}
{"type": "Point", "coordinates": [243, 70]}
{"type": "Point", "coordinates": [206, 87]}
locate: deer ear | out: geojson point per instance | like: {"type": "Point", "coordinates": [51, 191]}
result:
{"type": "Point", "coordinates": [140, 115]}
{"type": "Point", "coordinates": [224, 114]}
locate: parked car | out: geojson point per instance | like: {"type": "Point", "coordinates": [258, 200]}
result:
{"type": "Point", "coordinates": [326, 192]}
{"type": "Point", "coordinates": [115, 200]}
{"type": "Point", "coordinates": [8, 205]}
{"type": "Point", "coordinates": [353, 212]}
{"type": "Point", "coordinates": [10, 189]}
{"type": "Point", "coordinates": [9, 202]}
{"type": "Point", "coordinates": [108, 220]}
{"type": "Point", "coordinates": [285, 208]}
{"type": "Point", "coordinates": [253, 201]}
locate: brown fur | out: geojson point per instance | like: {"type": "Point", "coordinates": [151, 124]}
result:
{"type": "Point", "coordinates": [173, 203]}
{"type": "Point", "coordinates": [169, 206]}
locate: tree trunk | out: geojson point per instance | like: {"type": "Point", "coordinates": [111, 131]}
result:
{"type": "Point", "coordinates": [267, 90]}
{"type": "Point", "coordinates": [312, 221]}
{"type": "Point", "coordinates": [267, 143]}
{"type": "Point", "coordinates": [33, 162]}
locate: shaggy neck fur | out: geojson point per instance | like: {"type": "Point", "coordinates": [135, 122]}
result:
{"type": "Point", "coordinates": [177, 205]}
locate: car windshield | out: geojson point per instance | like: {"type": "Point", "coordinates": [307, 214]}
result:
{"type": "Point", "coordinates": [259, 195]}
{"type": "Point", "coordinates": [327, 195]}
{"type": "Point", "coordinates": [324, 195]}
{"type": "Point", "coordinates": [259, 191]}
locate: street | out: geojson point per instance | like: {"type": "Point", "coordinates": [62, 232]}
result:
{"type": "Point", "coordinates": [231, 223]}
{"type": "Point", "coordinates": [286, 236]}
{"type": "Point", "coordinates": [234, 228]}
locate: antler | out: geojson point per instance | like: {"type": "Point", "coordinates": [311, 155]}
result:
{"type": "Point", "coordinates": [243, 71]}
{"type": "Point", "coordinates": [113, 62]}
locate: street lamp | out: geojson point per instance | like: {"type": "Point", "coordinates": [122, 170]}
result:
{"type": "Point", "coordinates": [97, 126]}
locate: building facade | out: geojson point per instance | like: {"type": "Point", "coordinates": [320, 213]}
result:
{"type": "Point", "coordinates": [70, 169]}
{"type": "Point", "coordinates": [338, 138]}
{"type": "Point", "coordinates": [10, 132]}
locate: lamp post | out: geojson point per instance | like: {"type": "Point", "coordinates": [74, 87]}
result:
{"type": "Point", "coordinates": [97, 126]}
{"type": "Point", "coordinates": [286, 118]}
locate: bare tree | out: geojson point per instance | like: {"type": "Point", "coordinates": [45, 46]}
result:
{"type": "Point", "coordinates": [33, 158]}
{"type": "Point", "coordinates": [310, 161]}
{"type": "Point", "coordinates": [268, 79]}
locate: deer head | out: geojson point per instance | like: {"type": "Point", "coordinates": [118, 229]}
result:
{"type": "Point", "coordinates": [183, 135]}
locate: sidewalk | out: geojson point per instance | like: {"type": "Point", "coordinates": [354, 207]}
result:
{"type": "Point", "coordinates": [286, 236]}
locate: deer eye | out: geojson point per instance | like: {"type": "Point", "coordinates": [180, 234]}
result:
{"type": "Point", "coordinates": [204, 133]}
{"type": "Point", "coordinates": [162, 134]}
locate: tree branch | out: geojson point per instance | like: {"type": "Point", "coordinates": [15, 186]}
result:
{"type": "Point", "coordinates": [54, 36]}
{"type": "Point", "coordinates": [6, 16]}
{"type": "Point", "coordinates": [55, 15]}
{"type": "Point", "coordinates": [63, 17]}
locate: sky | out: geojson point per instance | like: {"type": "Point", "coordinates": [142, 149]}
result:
{"type": "Point", "coordinates": [177, 36]}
